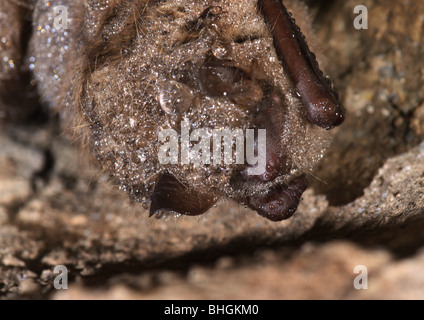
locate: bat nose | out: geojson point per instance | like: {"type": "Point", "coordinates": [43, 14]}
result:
{"type": "Point", "coordinates": [281, 203]}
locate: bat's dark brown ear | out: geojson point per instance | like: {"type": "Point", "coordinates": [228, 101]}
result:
{"type": "Point", "coordinates": [171, 195]}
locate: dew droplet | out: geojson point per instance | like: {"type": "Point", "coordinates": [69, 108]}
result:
{"type": "Point", "coordinates": [175, 97]}
{"type": "Point", "coordinates": [219, 50]}
{"type": "Point", "coordinates": [141, 156]}
{"type": "Point", "coordinates": [132, 123]}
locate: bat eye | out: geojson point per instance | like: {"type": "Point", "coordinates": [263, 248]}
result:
{"type": "Point", "coordinates": [220, 78]}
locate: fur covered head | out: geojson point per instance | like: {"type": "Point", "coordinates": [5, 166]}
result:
{"type": "Point", "coordinates": [148, 66]}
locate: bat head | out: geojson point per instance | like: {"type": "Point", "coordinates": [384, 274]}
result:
{"type": "Point", "coordinates": [164, 84]}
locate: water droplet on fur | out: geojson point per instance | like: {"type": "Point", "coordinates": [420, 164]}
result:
{"type": "Point", "coordinates": [219, 50]}
{"type": "Point", "coordinates": [175, 97]}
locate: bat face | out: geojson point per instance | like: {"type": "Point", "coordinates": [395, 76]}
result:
{"type": "Point", "coordinates": [198, 67]}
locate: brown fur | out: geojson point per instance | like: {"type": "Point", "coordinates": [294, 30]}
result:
{"type": "Point", "coordinates": [107, 87]}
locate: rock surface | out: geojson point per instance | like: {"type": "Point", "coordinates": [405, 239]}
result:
{"type": "Point", "coordinates": [365, 206]}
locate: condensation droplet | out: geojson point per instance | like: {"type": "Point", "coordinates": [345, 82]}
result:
{"type": "Point", "coordinates": [132, 123]}
{"type": "Point", "coordinates": [141, 156]}
{"type": "Point", "coordinates": [175, 97]}
{"type": "Point", "coordinates": [219, 50]}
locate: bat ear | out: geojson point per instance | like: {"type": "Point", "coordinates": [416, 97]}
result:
{"type": "Point", "coordinates": [172, 195]}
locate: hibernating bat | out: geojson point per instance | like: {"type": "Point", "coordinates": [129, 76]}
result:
{"type": "Point", "coordinates": [120, 72]}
